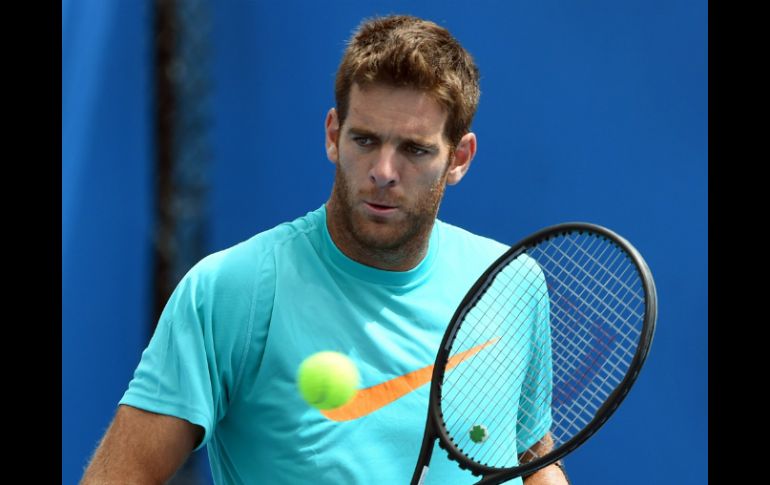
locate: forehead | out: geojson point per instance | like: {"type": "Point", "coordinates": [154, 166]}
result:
{"type": "Point", "coordinates": [396, 110]}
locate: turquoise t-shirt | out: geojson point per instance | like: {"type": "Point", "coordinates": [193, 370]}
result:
{"type": "Point", "coordinates": [231, 337]}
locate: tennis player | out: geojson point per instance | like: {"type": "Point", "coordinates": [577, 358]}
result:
{"type": "Point", "coordinates": [371, 273]}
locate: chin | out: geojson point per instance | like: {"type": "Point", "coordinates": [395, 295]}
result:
{"type": "Point", "coordinates": [380, 235]}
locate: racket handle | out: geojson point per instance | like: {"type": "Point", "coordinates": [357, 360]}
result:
{"type": "Point", "coordinates": [426, 450]}
{"type": "Point", "coordinates": [423, 475]}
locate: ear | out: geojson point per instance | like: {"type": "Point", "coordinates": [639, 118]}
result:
{"type": "Point", "coordinates": [332, 135]}
{"type": "Point", "coordinates": [463, 156]}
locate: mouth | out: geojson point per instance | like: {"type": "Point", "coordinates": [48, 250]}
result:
{"type": "Point", "coordinates": [380, 209]}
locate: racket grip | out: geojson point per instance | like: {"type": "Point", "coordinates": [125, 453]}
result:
{"type": "Point", "coordinates": [426, 450]}
{"type": "Point", "coordinates": [423, 474]}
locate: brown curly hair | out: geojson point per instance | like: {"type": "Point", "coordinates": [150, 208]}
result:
{"type": "Point", "coordinates": [406, 51]}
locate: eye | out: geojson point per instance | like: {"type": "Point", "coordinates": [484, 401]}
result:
{"type": "Point", "coordinates": [363, 141]}
{"type": "Point", "coordinates": [416, 150]}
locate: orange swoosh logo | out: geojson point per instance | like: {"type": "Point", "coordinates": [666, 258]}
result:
{"type": "Point", "coordinates": [369, 400]}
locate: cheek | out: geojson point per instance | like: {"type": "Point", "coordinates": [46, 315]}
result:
{"type": "Point", "coordinates": [352, 172]}
{"type": "Point", "coordinates": [347, 167]}
{"type": "Point", "coordinates": [347, 159]}
{"type": "Point", "coordinates": [432, 177]}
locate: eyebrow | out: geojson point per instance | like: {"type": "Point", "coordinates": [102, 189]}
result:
{"type": "Point", "coordinates": [352, 131]}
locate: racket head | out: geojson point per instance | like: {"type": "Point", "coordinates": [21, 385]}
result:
{"type": "Point", "coordinates": [601, 314]}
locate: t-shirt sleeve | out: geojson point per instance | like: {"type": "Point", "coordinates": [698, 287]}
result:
{"type": "Point", "coordinates": [535, 401]}
{"type": "Point", "coordinates": [213, 326]}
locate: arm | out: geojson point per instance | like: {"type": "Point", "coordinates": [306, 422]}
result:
{"type": "Point", "coordinates": [550, 475]}
{"type": "Point", "coordinates": [141, 447]}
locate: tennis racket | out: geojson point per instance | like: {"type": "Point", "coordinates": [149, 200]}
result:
{"type": "Point", "coordinates": [541, 351]}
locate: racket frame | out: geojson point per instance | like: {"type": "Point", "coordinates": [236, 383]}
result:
{"type": "Point", "coordinates": [435, 430]}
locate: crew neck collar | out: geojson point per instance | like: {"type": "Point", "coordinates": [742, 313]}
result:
{"type": "Point", "coordinates": [377, 275]}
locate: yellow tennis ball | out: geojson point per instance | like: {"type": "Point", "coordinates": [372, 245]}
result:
{"type": "Point", "coordinates": [327, 380]}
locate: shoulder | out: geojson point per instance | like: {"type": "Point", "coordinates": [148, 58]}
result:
{"type": "Point", "coordinates": [461, 241]}
{"type": "Point", "coordinates": [228, 295]}
{"type": "Point", "coordinates": [255, 257]}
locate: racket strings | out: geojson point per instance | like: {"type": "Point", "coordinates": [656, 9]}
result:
{"type": "Point", "coordinates": [595, 388]}
{"type": "Point", "coordinates": [479, 457]}
{"type": "Point", "coordinates": [591, 294]}
{"type": "Point", "coordinates": [496, 296]}
{"type": "Point", "coordinates": [501, 285]}
{"type": "Point", "coordinates": [491, 361]}
{"type": "Point", "coordinates": [538, 400]}
{"type": "Point", "coordinates": [583, 341]}
{"type": "Point", "coordinates": [494, 364]}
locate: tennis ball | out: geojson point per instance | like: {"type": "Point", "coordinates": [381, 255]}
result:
{"type": "Point", "coordinates": [478, 433]}
{"type": "Point", "coordinates": [327, 380]}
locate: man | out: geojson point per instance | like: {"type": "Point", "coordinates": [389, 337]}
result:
{"type": "Point", "coordinates": [372, 274]}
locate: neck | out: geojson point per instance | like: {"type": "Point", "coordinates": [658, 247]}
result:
{"type": "Point", "coordinates": [403, 257]}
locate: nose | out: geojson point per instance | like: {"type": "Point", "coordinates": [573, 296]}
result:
{"type": "Point", "coordinates": [384, 172]}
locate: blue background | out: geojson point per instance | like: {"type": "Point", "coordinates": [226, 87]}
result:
{"type": "Point", "coordinates": [592, 110]}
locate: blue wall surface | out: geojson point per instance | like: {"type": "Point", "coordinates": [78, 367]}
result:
{"type": "Point", "coordinates": [106, 214]}
{"type": "Point", "coordinates": [593, 110]}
